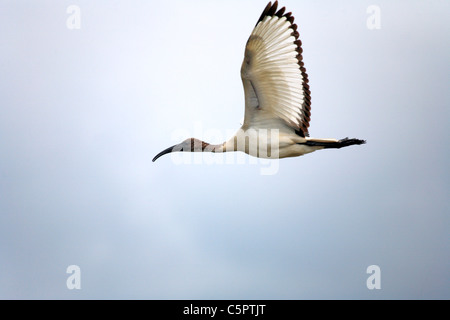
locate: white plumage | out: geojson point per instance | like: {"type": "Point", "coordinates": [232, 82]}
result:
{"type": "Point", "coordinates": [277, 96]}
{"type": "Point", "coordinates": [271, 73]}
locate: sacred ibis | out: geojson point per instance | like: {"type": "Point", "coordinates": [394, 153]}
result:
{"type": "Point", "coordinates": [277, 96]}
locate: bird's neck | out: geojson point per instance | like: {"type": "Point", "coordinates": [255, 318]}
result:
{"type": "Point", "coordinates": [227, 146]}
{"type": "Point", "coordinates": [215, 147]}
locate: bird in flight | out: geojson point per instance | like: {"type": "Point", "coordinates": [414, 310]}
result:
{"type": "Point", "coordinates": [277, 96]}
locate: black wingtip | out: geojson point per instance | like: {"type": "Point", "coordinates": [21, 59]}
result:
{"type": "Point", "coordinates": [273, 9]}
{"type": "Point", "coordinates": [264, 13]}
{"type": "Point", "coordinates": [270, 10]}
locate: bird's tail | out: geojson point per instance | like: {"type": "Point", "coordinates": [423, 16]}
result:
{"type": "Point", "coordinates": [333, 144]}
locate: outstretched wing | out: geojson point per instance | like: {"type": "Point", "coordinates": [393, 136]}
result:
{"type": "Point", "coordinates": [273, 73]}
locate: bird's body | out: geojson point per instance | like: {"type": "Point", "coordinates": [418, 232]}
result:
{"type": "Point", "coordinates": [277, 96]}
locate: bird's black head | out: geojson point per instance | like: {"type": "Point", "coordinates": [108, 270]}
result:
{"type": "Point", "coordinates": [188, 145]}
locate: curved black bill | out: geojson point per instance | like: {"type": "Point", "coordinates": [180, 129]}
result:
{"type": "Point", "coordinates": [168, 150]}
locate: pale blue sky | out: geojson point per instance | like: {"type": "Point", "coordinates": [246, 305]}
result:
{"type": "Point", "coordinates": [83, 112]}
